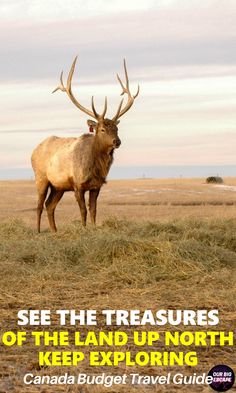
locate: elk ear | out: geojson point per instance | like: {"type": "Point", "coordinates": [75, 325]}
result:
{"type": "Point", "coordinates": [92, 125]}
{"type": "Point", "coordinates": [117, 122]}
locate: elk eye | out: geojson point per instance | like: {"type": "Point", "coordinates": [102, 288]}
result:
{"type": "Point", "coordinates": [103, 129]}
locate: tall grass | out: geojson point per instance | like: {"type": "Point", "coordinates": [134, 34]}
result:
{"type": "Point", "coordinates": [123, 253]}
{"type": "Point", "coordinates": [121, 264]}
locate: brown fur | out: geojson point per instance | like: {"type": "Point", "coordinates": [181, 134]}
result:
{"type": "Point", "coordinates": [78, 164]}
{"type": "Point", "coordinates": [74, 164]}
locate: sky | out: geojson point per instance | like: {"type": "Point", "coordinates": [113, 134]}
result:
{"type": "Point", "coordinates": [181, 52]}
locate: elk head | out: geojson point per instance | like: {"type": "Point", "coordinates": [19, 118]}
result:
{"type": "Point", "coordinates": [106, 130]}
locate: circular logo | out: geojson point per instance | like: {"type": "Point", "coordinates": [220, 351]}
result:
{"type": "Point", "coordinates": [223, 378]}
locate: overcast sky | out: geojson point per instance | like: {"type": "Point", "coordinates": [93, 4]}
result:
{"type": "Point", "coordinates": [181, 52]}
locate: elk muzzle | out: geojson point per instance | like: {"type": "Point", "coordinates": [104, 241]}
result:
{"type": "Point", "coordinates": [116, 142]}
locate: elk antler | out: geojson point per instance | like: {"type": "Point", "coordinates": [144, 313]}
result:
{"type": "Point", "coordinates": [68, 90]}
{"type": "Point", "coordinates": [125, 89]}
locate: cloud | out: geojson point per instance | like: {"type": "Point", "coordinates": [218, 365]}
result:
{"type": "Point", "coordinates": [160, 36]}
{"type": "Point", "coordinates": [182, 149]}
{"type": "Point", "coordinates": [182, 52]}
{"type": "Point", "coordinates": [54, 10]}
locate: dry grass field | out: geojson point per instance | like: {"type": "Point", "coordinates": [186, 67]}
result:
{"type": "Point", "coordinates": [159, 244]}
{"type": "Point", "coordinates": [135, 200]}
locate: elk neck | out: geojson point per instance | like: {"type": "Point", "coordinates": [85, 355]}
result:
{"type": "Point", "coordinates": [102, 158]}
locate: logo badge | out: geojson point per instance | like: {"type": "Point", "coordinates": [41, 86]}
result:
{"type": "Point", "coordinates": [223, 378]}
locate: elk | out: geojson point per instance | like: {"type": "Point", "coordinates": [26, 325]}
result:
{"type": "Point", "coordinates": [78, 164]}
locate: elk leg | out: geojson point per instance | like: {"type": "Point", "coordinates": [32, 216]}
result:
{"type": "Point", "coordinates": [51, 203]}
{"type": "Point", "coordinates": [93, 194]}
{"type": "Point", "coordinates": [42, 193]}
{"type": "Point", "coordinates": [79, 195]}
